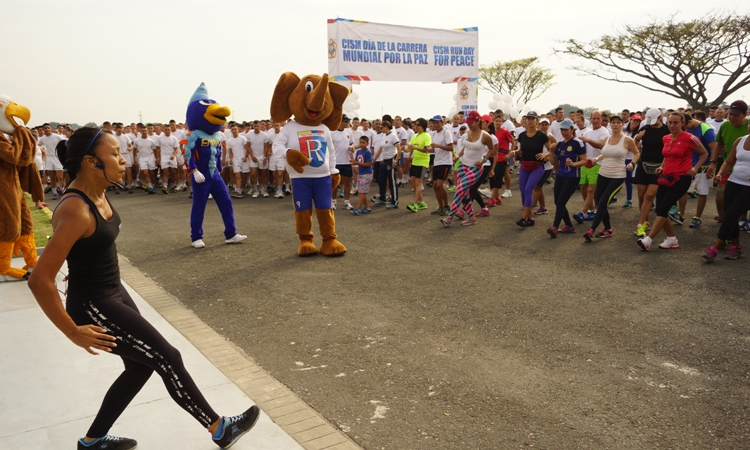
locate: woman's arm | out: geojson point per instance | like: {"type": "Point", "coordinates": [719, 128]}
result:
{"type": "Point", "coordinates": [72, 221]}
{"type": "Point", "coordinates": [703, 154]}
{"type": "Point", "coordinates": [728, 164]}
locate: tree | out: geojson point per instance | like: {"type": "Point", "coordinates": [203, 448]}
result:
{"type": "Point", "coordinates": [674, 58]}
{"type": "Point", "coordinates": [522, 79]}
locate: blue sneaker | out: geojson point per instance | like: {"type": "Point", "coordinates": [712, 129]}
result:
{"type": "Point", "coordinates": [696, 222]}
{"type": "Point", "coordinates": [233, 428]}
{"type": "Point", "coordinates": [590, 216]}
{"type": "Point", "coordinates": [355, 212]}
{"type": "Point", "coordinates": [379, 203]}
{"type": "Point", "coordinates": [578, 217]}
{"type": "Point", "coordinates": [674, 209]}
{"type": "Point", "coordinates": [676, 218]}
{"type": "Point", "coordinates": [628, 204]}
{"type": "Point", "coordinates": [366, 211]}
{"type": "Point", "coordinates": [392, 206]}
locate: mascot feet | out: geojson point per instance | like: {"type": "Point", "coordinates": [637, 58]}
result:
{"type": "Point", "coordinates": [26, 245]}
{"type": "Point", "coordinates": [331, 246]}
{"type": "Point", "coordinates": [303, 228]}
{"type": "Point", "coordinates": [8, 273]}
{"type": "Point", "coordinates": [307, 248]}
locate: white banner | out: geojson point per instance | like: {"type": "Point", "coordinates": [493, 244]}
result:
{"type": "Point", "coordinates": [466, 95]}
{"type": "Point", "coordinates": [365, 51]}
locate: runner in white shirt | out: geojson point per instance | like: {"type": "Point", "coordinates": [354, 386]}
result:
{"type": "Point", "coordinates": [401, 134]}
{"type": "Point", "coordinates": [442, 144]}
{"type": "Point", "coordinates": [126, 150]}
{"type": "Point", "coordinates": [145, 146]}
{"type": "Point", "coordinates": [260, 150]}
{"type": "Point", "coordinates": [277, 163]}
{"type": "Point", "coordinates": [389, 153]}
{"type": "Point", "coordinates": [408, 126]}
{"type": "Point", "coordinates": [538, 192]}
{"type": "Point", "coordinates": [342, 147]}
{"type": "Point", "coordinates": [375, 143]}
{"type": "Point", "coordinates": [237, 153]}
{"type": "Point", "coordinates": [181, 173]}
{"type": "Point", "coordinates": [169, 148]}
{"type": "Point", "coordinates": [594, 138]}
{"type": "Point", "coordinates": [52, 165]}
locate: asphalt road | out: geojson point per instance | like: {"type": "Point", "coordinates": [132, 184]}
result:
{"type": "Point", "coordinates": [483, 337]}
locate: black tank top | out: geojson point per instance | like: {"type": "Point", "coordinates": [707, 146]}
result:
{"type": "Point", "coordinates": [93, 269]}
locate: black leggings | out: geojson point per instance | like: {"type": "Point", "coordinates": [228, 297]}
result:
{"type": "Point", "coordinates": [736, 204]}
{"type": "Point", "coordinates": [606, 188]}
{"type": "Point", "coordinates": [564, 188]}
{"type": "Point", "coordinates": [474, 189]}
{"type": "Point", "coordinates": [143, 350]}
{"type": "Point", "coordinates": [387, 178]}
{"type": "Point", "coordinates": [668, 196]}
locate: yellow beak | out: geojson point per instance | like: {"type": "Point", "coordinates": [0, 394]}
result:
{"type": "Point", "coordinates": [217, 114]}
{"type": "Point", "coordinates": [14, 110]}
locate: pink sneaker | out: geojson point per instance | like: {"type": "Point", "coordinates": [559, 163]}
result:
{"type": "Point", "coordinates": [485, 212]}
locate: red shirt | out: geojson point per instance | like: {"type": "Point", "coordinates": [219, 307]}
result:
{"type": "Point", "coordinates": [678, 153]}
{"type": "Point", "coordinates": [504, 138]}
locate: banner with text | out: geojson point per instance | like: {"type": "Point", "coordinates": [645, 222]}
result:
{"type": "Point", "coordinates": [466, 96]}
{"type": "Point", "coordinates": [365, 51]}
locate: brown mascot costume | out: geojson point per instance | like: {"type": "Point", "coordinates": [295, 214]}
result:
{"type": "Point", "coordinates": [17, 148]}
{"type": "Point", "coordinates": [305, 141]}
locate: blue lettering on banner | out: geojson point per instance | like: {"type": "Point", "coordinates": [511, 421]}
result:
{"type": "Point", "coordinates": [414, 53]}
{"type": "Point", "coordinates": [313, 144]}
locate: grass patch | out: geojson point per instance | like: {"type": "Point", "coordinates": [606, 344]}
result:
{"type": "Point", "coordinates": [42, 223]}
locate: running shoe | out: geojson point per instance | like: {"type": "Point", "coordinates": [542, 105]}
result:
{"type": "Point", "coordinates": [255, 194]}
{"type": "Point", "coordinates": [348, 205]}
{"type": "Point", "coordinates": [378, 202]}
{"type": "Point", "coordinates": [236, 194]}
{"type": "Point", "coordinates": [676, 217]}
{"type": "Point", "coordinates": [278, 194]}
{"type": "Point", "coordinates": [507, 193]}
{"type": "Point", "coordinates": [628, 204]}
{"type": "Point", "coordinates": [734, 252]}
{"type": "Point", "coordinates": [669, 243]}
{"type": "Point", "coordinates": [151, 190]}
{"type": "Point", "coordinates": [446, 221]}
{"type": "Point", "coordinates": [640, 230]}
{"type": "Point", "coordinates": [451, 189]}
{"type": "Point", "coordinates": [567, 229]}
{"type": "Point", "coordinates": [265, 194]}
{"type": "Point", "coordinates": [412, 207]}
{"type": "Point", "coordinates": [233, 428]}
{"type": "Point", "coordinates": [287, 192]}
{"type": "Point", "coordinates": [165, 190]}
{"type": "Point", "coordinates": [446, 211]}
{"type": "Point", "coordinates": [460, 214]}
{"type": "Point", "coordinates": [696, 222]}
{"type": "Point", "coordinates": [744, 225]}
{"type": "Point", "coordinates": [365, 211]}
{"type": "Point", "coordinates": [540, 211]}
{"type": "Point", "coordinates": [355, 212]}
{"type": "Point", "coordinates": [710, 254]}
{"type": "Point", "coordinates": [391, 206]}
{"type": "Point", "coordinates": [437, 212]}
{"type": "Point", "coordinates": [428, 183]}
{"type": "Point", "coordinates": [485, 212]}
{"type": "Point", "coordinates": [341, 193]}
{"type": "Point", "coordinates": [552, 231]}
{"type": "Point", "coordinates": [612, 201]}
{"type": "Point", "coordinates": [333, 204]}
{"type": "Point", "coordinates": [644, 243]}
{"type": "Point", "coordinates": [578, 217]}
{"type": "Point", "coordinates": [589, 235]}
{"type": "Point", "coordinates": [605, 233]}
{"type": "Point", "coordinates": [375, 198]}
{"type": "Point", "coordinates": [486, 192]}
{"type": "Point", "coordinates": [522, 223]}
{"type": "Point", "coordinates": [198, 243]}
{"type": "Point", "coordinates": [674, 209]}
{"type": "Point", "coordinates": [469, 221]}
{"type": "Point", "coordinates": [590, 216]}
{"type": "Point", "coordinates": [108, 443]}
{"type": "Point", "coordinates": [530, 222]}
{"type": "Point", "coordinates": [55, 196]}
{"type": "Point", "coordinates": [693, 193]}
{"type": "Point", "coordinates": [235, 239]}
{"type": "Point", "coordinates": [421, 205]}
{"type": "Point", "coordinates": [47, 189]}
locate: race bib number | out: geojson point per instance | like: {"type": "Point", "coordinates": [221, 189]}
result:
{"type": "Point", "coordinates": [313, 144]}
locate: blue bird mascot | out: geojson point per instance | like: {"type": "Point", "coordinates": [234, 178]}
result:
{"type": "Point", "coordinates": [203, 149]}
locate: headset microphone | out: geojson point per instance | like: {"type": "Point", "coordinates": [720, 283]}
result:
{"type": "Point", "coordinates": [100, 165]}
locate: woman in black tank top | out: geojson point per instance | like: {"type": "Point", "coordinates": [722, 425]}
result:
{"type": "Point", "coordinates": [99, 315]}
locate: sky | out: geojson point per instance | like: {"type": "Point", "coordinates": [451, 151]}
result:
{"type": "Point", "coordinates": [91, 61]}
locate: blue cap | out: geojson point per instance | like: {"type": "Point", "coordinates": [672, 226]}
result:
{"type": "Point", "coordinates": [567, 123]}
{"type": "Point", "coordinates": [437, 117]}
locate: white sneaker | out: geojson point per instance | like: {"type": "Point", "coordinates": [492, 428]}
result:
{"type": "Point", "coordinates": [669, 243]}
{"type": "Point", "coordinates": [265, 194]}
{"type": "Point", "coordinates": [645, 243]}
{"type": "Point", "coordinates": [198, 244]}
{"type": "Point", "coordinates": [485, 192]}
{"type": "Point", "coordinates": [348, 205]}
{"type": "Point", "coordinates": [278, 194]}
{"type": "Point", "coordinates": [333, 204]}
{"type": "Point", "coordinates": [235, 239]}
{"type": "Point", "coordinates": [507, 194]}
{"type": "Point", "coordinates": [255, 194]}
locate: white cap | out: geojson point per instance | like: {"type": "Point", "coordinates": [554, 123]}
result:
{"type": "Point", "coordinates": [544, 119]}
{"type": "Point", "coordinates": [652, 116]}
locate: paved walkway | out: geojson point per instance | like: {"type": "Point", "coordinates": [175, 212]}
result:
{"type": "Point", "coordinates": [51, 389]}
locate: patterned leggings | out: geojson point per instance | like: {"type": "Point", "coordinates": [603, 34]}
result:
{"type": "Point", "coordinates": [467, 176]}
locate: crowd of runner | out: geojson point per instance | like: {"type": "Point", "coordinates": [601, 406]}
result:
{"type": "Point", "coordinates": [669, 155]}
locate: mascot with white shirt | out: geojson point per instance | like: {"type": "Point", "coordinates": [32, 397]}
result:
{"type": "Point", "coordinates": [17, 169]}
{"type": "Point", "coordinates": [305, 141]}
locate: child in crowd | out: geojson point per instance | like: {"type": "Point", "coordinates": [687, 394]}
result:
{"type": "Point", "coordinates": [363, 160]}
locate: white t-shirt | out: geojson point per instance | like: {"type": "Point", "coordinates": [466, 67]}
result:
{"type": "Point", "coordinates": [314, 142]}
{"type": "Point", "coordinates": [599, 134]}
{"type": "Point", "coordinates": [369, 133]}
{"type": "Point", "coordinates": [455, 132]}
{"type": "Point", "coordinates": [356, 134]}
{"type": "Point", "coordinates": [377, 141]}
{"type": "Point", "coordinates": [237, 146]}
{"type": "Point", "coordinates": [257, 142]}
{"type": "Point", "coordinates": [716, 125]}
{"type": "Point", "coordinates": [443, 157]}
{"type": "Point", "coordinates": [50, 144]}
{"type": "Point", "coordinates": [495, 141]}
{"type": "Point", "coordinates": [400, 134]}
{"type": "Point", "coordinates": [145, 147]}
{"type": "Point", "coordinates": [554, 130]}
{"type": "Point", "coordinates": [388, 143]}
{"type": "Point", "coordinates": [508, 125]}
{"type": "Point", "coordinates": [124, 141]}
{"type": "Point", "coordinates": [342, 144]}
{"type": "Point", "coordinates": [271, 135]}
{"type": "Point", "coordinates": [167, 146]}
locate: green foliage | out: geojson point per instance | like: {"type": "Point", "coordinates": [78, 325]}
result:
{"type": "Point", "coordinates": [522, 79]}
{"type": "Point", "coordinates": [672, 57]}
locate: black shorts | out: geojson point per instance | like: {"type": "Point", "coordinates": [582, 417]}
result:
{"type": "Point", "coordinates": [496, 182]}
{"type": "Point", "coordinates": [417, 171]}
{"type": "Point", "coordinates": [441, 172]}
{"type": "Point", "coordinates": [345, 169]}
{"type": "Point", "coordinates": [432, 159]}
{"type": "Point", "coordinates": [545, 176]}
{"type": "Point", "coordinates": [641, 177]}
